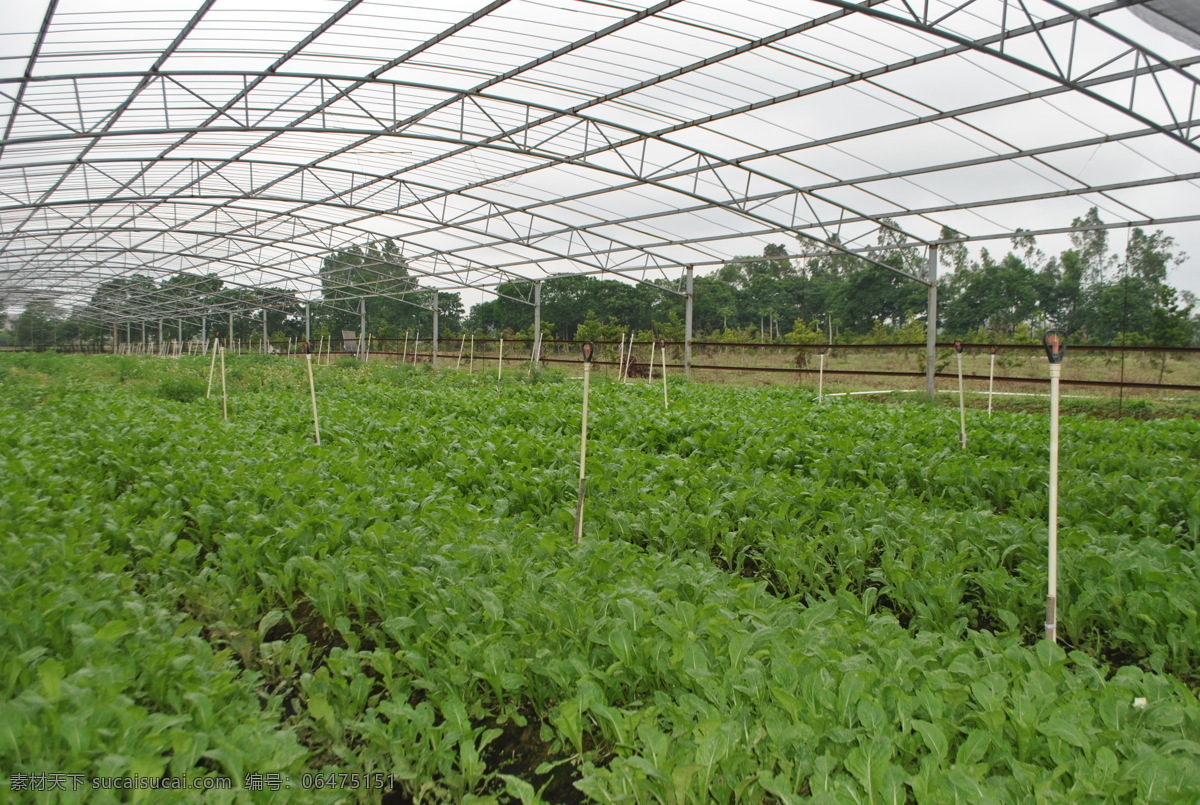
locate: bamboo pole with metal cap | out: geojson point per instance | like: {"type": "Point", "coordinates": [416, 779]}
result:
{"type": "Point", "coordinates": [1055, 345]}
{"type": "Point", "coordinates": [962, 406]}
{"type": "Point", "coordinates": [588, 350]}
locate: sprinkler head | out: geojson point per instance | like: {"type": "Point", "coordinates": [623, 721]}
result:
{"type": "Point", "coordinates": [662, 343]}
{"type": "Point", "coordinates": [958, 347]}
{"type": "Point", "coordinates": [821, 350]}
{"type": "Point", "coordinates": [992, 349]}
{"type": "Point", "coordinates": [588, 349]}
{"type": "Point", "coordinates": [1056, 344]}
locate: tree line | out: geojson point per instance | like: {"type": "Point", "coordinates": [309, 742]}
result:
{"type": "Point", "coordinates": [1097, 295]}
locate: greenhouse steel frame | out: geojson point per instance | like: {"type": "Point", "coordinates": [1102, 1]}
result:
{"type": "Point", "coordinates": [501, 144]}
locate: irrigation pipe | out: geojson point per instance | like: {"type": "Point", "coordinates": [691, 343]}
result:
{"type": "Point", "coordinates": [1054, 344]}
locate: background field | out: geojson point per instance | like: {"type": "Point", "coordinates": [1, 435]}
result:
{"type": "Point", "coordinates": [776, 600]}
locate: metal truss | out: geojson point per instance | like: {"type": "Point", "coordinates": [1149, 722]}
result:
{"type": "Point", "coordinates": [513, 143]}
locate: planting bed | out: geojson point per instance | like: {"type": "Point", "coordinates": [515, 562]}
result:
{"type": "Point", "coordinates": [775, 601]}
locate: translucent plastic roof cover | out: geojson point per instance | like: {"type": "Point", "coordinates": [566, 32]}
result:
{"type": "Point", "coordinates": [520, 139]}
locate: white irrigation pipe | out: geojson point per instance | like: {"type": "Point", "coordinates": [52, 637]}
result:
{"type": "Point", "coordinates": [416, 346]}
{"type": "Point", "coordinates": [500, 361]}
{"type": "Point", "coordinates": [1052, 583]}
{"type": "Point", "coordinates": [471, 366]}
{"type": "Point", "coordinates": [404, 355]}
{"type": "Point", "coordinates": [461, 344]}
{"type": "Point", "coordinates": [962, 405]}
{"type": "Point", "coordinates": [588, 349]}
{"type": "Point", "coordinates": [991, 379]}
{"type": "Point", "coordinates": [211, 369]}
{"type": "Point", "coordinates": [1054, 351]}
{"type": "Point", "coordinates": [312, 390]}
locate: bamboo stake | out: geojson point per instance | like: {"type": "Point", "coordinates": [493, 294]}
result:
{"type": "Point", "coordinates": [650, 374]}
{"type": "Point", "coordinates": [962, 405]}
{"type": "Point", "coordinates": [991, 379]}
{"type": "Point", "coordinates": [821, 378]}
{"type": "Point", "coordinates": [621, 358]}
{"type": "Point", "coordinates": [312, 390]}
{"type": "Point", "coordinates": [211, 368]}
{"type": "Point", "coordinates": [663, 349]}
{"type": "Point", "coordinates": [587, 373]}
{"type": "Point", "coordinates": [500, 362]}
{"type": "Point", "coordinates": [416, 346]}
{"type": "Point", "coordinates": [224, 396]}
{"type": "Point", "coordinates": [367, 349]}
{"type": "Point", "coordinates": [404, 355]}
{"type": "Point", "coordinates": [472, 363]}
{"type": "Point", "coordinates": [461, 344]}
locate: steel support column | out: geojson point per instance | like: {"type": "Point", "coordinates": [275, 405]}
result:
{"type": "Point", "coordinates": [362, 326]}
{"type": "Point", "coordinates": [537, 321]}
{"type": "Point", "coordinates": [931, 324]}
{"type": "Point", "coordinates": [436, 311]}
{"type": "Point", "coordinates": [687, 326]}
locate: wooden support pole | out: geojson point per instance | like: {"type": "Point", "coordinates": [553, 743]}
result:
{"type": "Point", "coordinates": [212, 366]}
{"type": "Point", "coordinates": [224, 395]}
{"type": "Point", "coordinates": [312, 390]}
